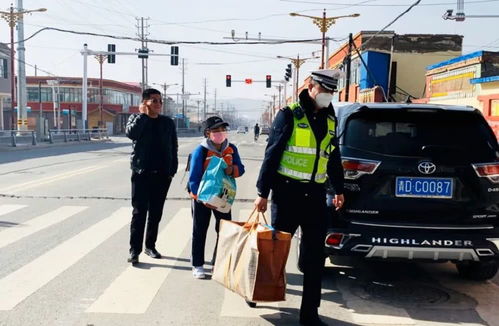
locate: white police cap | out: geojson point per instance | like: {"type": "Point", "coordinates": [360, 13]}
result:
{"type": "Point", "coordinates": [327, 78]}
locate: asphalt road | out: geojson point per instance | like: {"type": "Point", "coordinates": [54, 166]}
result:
{"type": "Point", "coordinates": [64, 228]}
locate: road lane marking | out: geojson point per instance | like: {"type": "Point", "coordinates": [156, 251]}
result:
{"type": "Point", "coordinates": [36, 224]}
{"type": "Point", "coordinates": [25, 281]}
{"type": "Point", "coordinates": [50, 179]}
{"type": "Point", "coordinates": [133, 291]}
{"type": "Point", "coordinates": [6, 209]}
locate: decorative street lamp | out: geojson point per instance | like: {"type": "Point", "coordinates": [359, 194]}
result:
{"type": "Point", "coordinates": [297, 62]}
{"type": "Point", "coordinates": [323, 23]}
{"type": "Point", "coordinates": [12, 18]}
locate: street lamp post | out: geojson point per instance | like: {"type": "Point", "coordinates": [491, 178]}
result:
{"type": "Point", "coordinates": [323, 23]}
{"type": "Point", "coordinates": [165, 87]}
{"type": "Point", "coordinates": [297, 62]}
{"type": "Point", "coordinates": [12, 18]}
{"type": "Point", "coordinates": [52, 83]}
{"type": "Point", "coordinates": [101, 59]}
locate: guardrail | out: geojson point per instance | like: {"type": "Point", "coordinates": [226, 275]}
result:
{"type": "Point", "coordinates": [77, 134]}
{"type": "Point", "coordinates": [13, 136]}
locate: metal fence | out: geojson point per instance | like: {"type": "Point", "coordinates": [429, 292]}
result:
{"type": "Point", "coordinates": [15, 137]}
{"type": "Point", "coordinates": [67, 135]}
{"type": "Point", "coordinates": [12, 137]}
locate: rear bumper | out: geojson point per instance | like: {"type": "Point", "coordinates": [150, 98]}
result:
{"type": "Point", "coordinates": [422, 245]}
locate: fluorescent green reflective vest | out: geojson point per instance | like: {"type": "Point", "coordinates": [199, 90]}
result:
{"type": "Point", "coordinates": [303, 158]}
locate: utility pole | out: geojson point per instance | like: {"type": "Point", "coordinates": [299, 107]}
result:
{"type": "Point", "coordinates": [279, 88]}
{"type": "Point", "coordinates": [22, 114]}
{"type": "Point", "coordinates": [142, 34]}
{"type": "Point", "coordinates": [215, 102]}
{"type": "Point", "coordinates": [183, 93]}
{"type": "Point", "coordinates": [349, 67]}
{"type": "Point", "coordinates": [198, 102]}
{"type": "Point", "coordinates": [204, 105]}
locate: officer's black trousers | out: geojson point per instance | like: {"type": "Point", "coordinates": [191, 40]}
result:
{"type": "Point", "coordinates": [201, 216]}
{"type": "Point", "coordinates": [299, 204]}
{"type": "Point", "coordinates": [149, 191]}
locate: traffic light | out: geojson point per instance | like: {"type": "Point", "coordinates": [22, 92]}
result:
{"type": "Point", "coordinates": [268, 81]}
{"type": "Point", "coordinates": [174, 56]}
{"type": "Point", "coordinates": [228, 80]}
{"type": "Point", "coordinates": [248, 81]}
{"type": "Point", "coordinates": [111, 58]}
{"type": "Point", "coordinates": [143, 53]}
{"type": "Point", "coordinates": [289, 73]}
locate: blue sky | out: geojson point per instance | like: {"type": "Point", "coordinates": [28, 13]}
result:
{"type": "Point", "coordinates": [58, 53]}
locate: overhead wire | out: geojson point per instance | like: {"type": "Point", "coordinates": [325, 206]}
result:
{"type": "Point", "coordinates": [385, 5]}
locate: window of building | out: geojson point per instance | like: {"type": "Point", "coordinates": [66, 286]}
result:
{"type": "Point", "coordinates": [4, 68]}
{"type": "Point", "coordinates": [494, 108]}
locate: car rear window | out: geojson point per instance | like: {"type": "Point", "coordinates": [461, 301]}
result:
{"type": "Point", "coordinates": [462, 136]}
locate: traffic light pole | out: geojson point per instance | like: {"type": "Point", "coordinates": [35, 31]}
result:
{"type": "Point", "coordinates": [86, 52]}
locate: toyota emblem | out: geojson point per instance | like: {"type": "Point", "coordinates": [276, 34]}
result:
{"type": "Point", "coordinates": [427, 167]}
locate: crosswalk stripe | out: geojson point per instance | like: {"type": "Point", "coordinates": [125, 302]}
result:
{"type": "Point", "coordinates": [41, 222]}
{"type": "Point", "coordinates": [6, 209]}
{"type": "Point", "coordinates": [133, 291]}
{"type": "Point", "coordinates": [20, 284]}
{"type": "Point", "coordinates": [50, 179]}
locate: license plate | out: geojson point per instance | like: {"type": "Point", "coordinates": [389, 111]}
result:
{"type": "Point", "coordinates": [424, 187]}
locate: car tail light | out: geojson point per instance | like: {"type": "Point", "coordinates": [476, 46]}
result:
{"type": "Point", "coordinates": [334, 239]}
{"type": "Point", "coordinates": [487, 170]}
{"type": "Point", "coordinates": [355, 168]}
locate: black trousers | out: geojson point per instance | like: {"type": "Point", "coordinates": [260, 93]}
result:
{"type": "Point", "coordinates": [201, 216]}
{"type": "Point", "coordinates": [148, 198]}
{"type": "Point", "coordinates": [297, 204]}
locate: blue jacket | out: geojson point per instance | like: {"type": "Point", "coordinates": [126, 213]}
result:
{"type": "Point", "coordinates": [198, 162]}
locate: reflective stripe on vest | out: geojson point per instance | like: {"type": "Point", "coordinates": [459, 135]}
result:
{"type": "Point", "coordinates": [302, 155]}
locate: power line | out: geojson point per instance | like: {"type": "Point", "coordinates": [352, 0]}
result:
{"type": "Point", "coordinates": [385, 5]}
{"type": "Point", "coordinates": [168, 42]}
{"type": "Point", "coordinates": [392, 22]}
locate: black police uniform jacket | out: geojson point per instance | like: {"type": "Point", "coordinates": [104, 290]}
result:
{"type": "Point", "coordinates": [138, 129]}
{"type": "Point", "coordinates": [281, 132]}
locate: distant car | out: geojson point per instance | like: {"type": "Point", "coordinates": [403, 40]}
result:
{"type": "Point", "coordinates": [265, 130]}
{"type": "Point", "coordinates": [241, 130]}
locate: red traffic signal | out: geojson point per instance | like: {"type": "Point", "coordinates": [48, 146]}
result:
{"type": "Point", "coordinates": [228, 80]}
{"type": "Point", "coordinates": [268, 80]}
{"type": "Point", "coordinates": [248, 81]}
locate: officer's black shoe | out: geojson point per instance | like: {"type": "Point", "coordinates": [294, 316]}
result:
{"type": "Point", "coordinates": [152, 253]}
{"type": "Point", "coordinates": [310, 318]}
{"type": "Point", "coordinates": [314, 321]}
{"type": "Point", "coordinates": [133, 258]}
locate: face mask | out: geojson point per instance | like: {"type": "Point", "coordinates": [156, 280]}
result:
{"type": "Point", "coordinates": [218, 137]}
{"type": "Point", "coordinates": [323, 99]}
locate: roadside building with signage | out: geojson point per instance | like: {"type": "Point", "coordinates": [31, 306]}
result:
{"type": "Point", "coordinates": [62, 97]}
{"type": "Point", "coordinates": [471, 79]}
{"type": "Point", "coordinates": [5, 94]}
{"type": "Point", "coordinates": [389, 65]}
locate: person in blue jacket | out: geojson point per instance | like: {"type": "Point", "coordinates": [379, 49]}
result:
{"type": "Point", "coordinates": [214, 144]}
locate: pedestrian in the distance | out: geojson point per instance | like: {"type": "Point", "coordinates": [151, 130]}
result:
{"type": "Point", "coordinates": [154, 162]}
{"type": "Point", "coordinates": [302, 152]}
{"type": "Point", "coordinates": [214, 144]}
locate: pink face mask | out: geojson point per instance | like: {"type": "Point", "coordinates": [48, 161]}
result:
{"type": "Point", "coordinates": [218, 137]}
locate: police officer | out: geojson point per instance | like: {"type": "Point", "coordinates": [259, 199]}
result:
{"type": "Point", "coordinates": [302, 152]}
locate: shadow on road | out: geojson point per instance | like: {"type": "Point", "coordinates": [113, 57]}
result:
{"type": "Point", "coordinates": [7, 156]}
